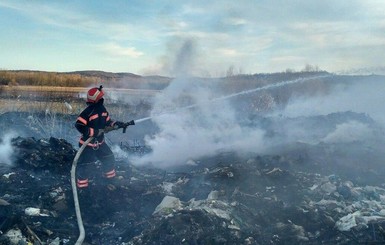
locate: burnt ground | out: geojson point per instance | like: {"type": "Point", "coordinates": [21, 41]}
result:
{"type": "Point", "coordinates": [307, 194]}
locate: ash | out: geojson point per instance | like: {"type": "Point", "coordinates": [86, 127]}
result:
{"type": "Point", "coordinates": [303, 193]}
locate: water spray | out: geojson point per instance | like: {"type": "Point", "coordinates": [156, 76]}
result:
{"type": "Point", "coordinates": [143, 119]}
{"type": "Point", "coordinates": [270, 86]}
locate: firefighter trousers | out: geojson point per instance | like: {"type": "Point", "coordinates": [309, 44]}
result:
{"type": "Point", "coordinates": [87, 164]}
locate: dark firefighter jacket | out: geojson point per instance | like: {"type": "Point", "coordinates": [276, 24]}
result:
{"type": "Point", "coordinates": [91, 120]}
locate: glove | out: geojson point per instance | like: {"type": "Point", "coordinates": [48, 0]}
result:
{"type": "Point", "coordinates": [119, 124]}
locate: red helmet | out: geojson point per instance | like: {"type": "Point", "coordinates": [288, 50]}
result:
{"type": "Point", "coordinates": [94, 95]}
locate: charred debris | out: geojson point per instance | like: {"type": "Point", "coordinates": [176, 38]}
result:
{"type": "Point", "coordinates": [306, 194]}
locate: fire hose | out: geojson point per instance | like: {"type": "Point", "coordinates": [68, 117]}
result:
{"type": "Point", "coordinates": [75, 193]}
{"type": "Point", "coordinates": [73, 180]}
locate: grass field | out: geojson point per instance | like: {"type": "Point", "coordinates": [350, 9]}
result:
{"type": "Point", "coordinates": [50, 99]}
{"type": "Point", "coordinates": [69, 90]}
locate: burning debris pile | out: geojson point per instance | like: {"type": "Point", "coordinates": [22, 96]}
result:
{"type": "Point", "coordinates": [226, 199]}
{"type": "Point", "coordinates": [55, 154]}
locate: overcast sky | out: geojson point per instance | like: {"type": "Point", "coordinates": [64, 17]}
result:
{"type": "Point", "coordinates": [142, 37]}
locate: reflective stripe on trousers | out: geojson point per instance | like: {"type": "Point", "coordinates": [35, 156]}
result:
{"type": "Point", "coordinates": [110, 174]}
{"type": "Point", "coordinates": [82, 183]}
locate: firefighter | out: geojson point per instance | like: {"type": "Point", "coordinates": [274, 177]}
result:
{"type": "Point", "coordinates": [91, 123]}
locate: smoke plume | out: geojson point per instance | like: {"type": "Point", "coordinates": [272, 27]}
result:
{"type": "Point", "coordinates": [194, 123]}
{"type": "Point", "coordinates": [361, 97]}
{"type": "Point", "coordinates": [6, 150]}
{"type": "Point", "coordinates": [188, 132]}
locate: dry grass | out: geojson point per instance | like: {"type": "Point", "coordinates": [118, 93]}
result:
{"type": "Point", "coordinates": [51, 100]}
{"type": "Point", "coordinates": [9, 105]}
{"type": "Point", "coordinates": [32, 89]}
{"type": "Point", "coordinates": [7, 88]}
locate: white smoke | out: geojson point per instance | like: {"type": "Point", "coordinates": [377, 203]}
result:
{"type": "Point", "coordinates": [361, 97]}
{"type": "Point", "coordinates": [364, 96]}
{"type": "Point", "coordinates": [349, 132]}
{"type": "Point", "coordinates": [118, 152]}
{"type": "Point", "coordinates": [194, 120]}
{"type": "Point", "coordinates": [6, 150]}
{"type": "Point", "coordinates": [192, 132]}
{"type": "Point", "coordinates": [189, 132]}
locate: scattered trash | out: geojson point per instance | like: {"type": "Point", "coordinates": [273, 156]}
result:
{"type": "Point", "coordinates": [34, 212]}
{"type": "Point", "coordinates": [257, 200]}
{"type": "Point", "coordinates": [4, 202]}
{"type": "Point", "coordinates": [15, 237]}
{"type": "Point", "coordinates": [9, 174]}
{"type": "Point", "coordinates": [168, 205]}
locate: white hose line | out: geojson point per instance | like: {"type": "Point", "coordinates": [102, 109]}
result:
{"type": "Point", "coordinates": [75, 192]}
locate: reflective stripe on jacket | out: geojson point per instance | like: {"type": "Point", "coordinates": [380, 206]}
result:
{"type": "Point", "coordinates": [90, 121]}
